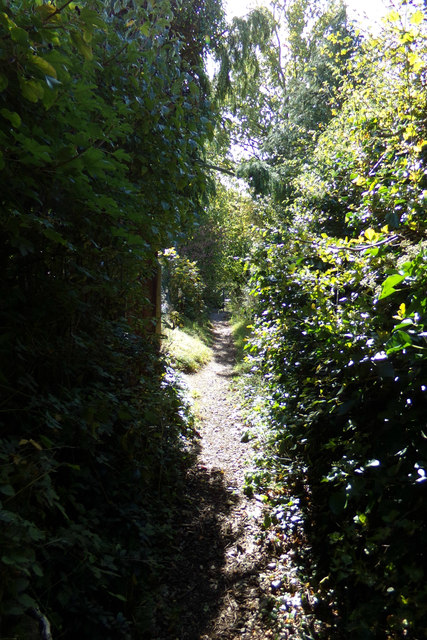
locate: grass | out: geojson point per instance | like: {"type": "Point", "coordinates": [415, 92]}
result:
{"type": "Point", "coordinates": [188, 346]}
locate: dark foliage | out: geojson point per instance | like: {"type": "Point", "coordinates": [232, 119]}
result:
{"type": "Point", "coordinates": [103, 117]}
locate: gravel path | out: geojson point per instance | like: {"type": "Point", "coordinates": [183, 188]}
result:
{"type": "Point", "coordinates": [220, 582]}
{"type": "Point", "coordinates": [223, 454]}
{"type": "Point", "coordinates": [218, 409]}
{"type": "Point", "coordinates": [231, 578]}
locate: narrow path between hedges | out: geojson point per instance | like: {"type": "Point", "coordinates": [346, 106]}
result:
{"type": "Point", "coordinates": [226, 569]}
{"type": "Point", "coordinates": [221, 562]}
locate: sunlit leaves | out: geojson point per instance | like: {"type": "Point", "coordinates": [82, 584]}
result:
{"type": "Point", "coordinates": [390, 284]}
{"type": "Point", "coordinates": [339, 335]}
{"type": "Point", "coordinates": [417, 17]}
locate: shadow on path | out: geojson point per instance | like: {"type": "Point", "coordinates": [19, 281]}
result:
{"type": "Point", "coordinates": [211, 588]}
{"type": "Point", "coordinates": [197, 586]}
{"type": "Point", "coordinates": [223, 346]}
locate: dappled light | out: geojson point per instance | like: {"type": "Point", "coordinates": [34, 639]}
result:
{"type": "Point", "coordinates": [213, 321]}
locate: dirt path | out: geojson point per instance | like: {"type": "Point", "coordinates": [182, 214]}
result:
{"type": "Point", "coordinates": [220, 583]}
{"type": "Point", "coordinates": [217, 407]}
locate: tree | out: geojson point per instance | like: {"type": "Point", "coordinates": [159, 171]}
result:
{"type": "Point", "coordinates": [285, 65]}
{"type": "Point", "coordinates": [221, 242]}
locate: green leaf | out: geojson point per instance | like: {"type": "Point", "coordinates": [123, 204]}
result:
{"type": "Point", "coordinates": [32, 90]}
{"type": "Point", "coordinates": [82, 46]}
{"type": "Point", "coordinates": [400, 340]}
{"type": "Point", "coordinates": [44, 66]}
{"type": "Point", "coordinates": [7, 490]}
{"type": "Point", "coordinates": [91, 19]}
{"type": "Point", "coordinates": [145, 29]}
{"type": "Point", "coordinates": [3, 82]}
{"type": "Point", "coordinates": [46, 12]}
{"type": "Point", "coordinates": [26, 600]}
{"type": "Point", "coordinates": [13, 117]}
{"type": "Point", "coordinates": [53, 235]}
{"type": "Point", "coordinates": [19, 35]}
{"type": "Point", "coordinates": [50, 97]}
{"type": "Point", "coordinates": [118, 596]}
{"type": "Point", "coordinates": [388, 286]}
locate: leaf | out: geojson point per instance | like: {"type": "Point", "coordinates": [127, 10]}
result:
{"type": "Point", "coordinates": [50, 96]}
{"type": "Point", "coordinates": [417, 17]}
{"type": "Point", "coordinates": [26, 600]}
{"type": "Point", "coordinates": [415, 62]}
{"type": "Point", "coordinates": [36, 445]}
{"type": "Point", "coordinates": [119, 596]}
{"type": "Point", "coordinates": [31, 89]}
{"type": "Point", "coordinates": [145, 29]}
{"type": "Point", "coordinates": [13, 117]}
{"type": "Point", "coordinates": [388, 286]}
{"type": "Point", "coordinates": [82, 46]}
{"type": "Point", "coordinates": [19, 35]}
{"type": "Point", "coordinates": [45, 12]}
{"type": "Point", "coordinates": [400, 340]}
{"type": "Point", "coordinates": [359, 181]}
{"type": "Point", "coordinates": [91, 19]}
{"type": "Point", "coordinates": [43, 65]}
{"type": "Point", "coordinates": [53, 235]}
{"type": "Point", "coordinates": [7, 490]}
{"type": "Point", "coordinates": [121, 154]}
{"type": "Point", "coordinates": [370, 234]}
{"type": "Point", "coordinates": [393, 16]}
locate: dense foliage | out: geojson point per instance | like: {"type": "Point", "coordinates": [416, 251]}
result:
{"type": "Point", "coordinates": [339, 333]}
{"type": "Point", "coordinates": [104, 116]}
{"type": "Point", "coordinates": [220, 243]}
{"type": "Point", "coordinates": [183, 286]}
{"type": "Point", "coordinates": [104, 112]}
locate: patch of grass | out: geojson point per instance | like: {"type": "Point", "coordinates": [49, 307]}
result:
{"type": "Point", "coordinates": [200, 330]}
{"type": "Point", "coordinates": [188, 346]}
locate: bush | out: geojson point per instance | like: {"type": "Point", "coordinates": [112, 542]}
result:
{"type": "Point", "coordinates": [185, 289]}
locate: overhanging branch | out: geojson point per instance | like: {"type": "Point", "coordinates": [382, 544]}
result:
{"type": "Point", "coordinates": [214, 167]}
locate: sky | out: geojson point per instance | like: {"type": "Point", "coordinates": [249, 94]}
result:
{"type": "Point", "coordinates": [367, 11]}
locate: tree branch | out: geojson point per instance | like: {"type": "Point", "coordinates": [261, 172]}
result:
{"type": "Point", "coordinates": [221, 169]}
{"type": "Point", "coordinates": [55, 13]}
{"type": "Point", "coordinates": [359, 248]}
